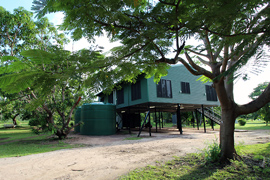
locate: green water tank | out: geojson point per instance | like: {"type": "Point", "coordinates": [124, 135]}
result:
{"type": "Point", "coordinates": [98, 119]}
{"type": "Point", "coordinates": [77, 119]}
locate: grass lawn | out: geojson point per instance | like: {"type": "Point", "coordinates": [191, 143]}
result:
{"type": "Point", "coordinates": [255, 164]}
{"type": "Point", "coordinates": [21, 141]}
{"type": "Point", "coordinates": [250, 125]}
{"type": "Point", "coordinates": [253, 125]}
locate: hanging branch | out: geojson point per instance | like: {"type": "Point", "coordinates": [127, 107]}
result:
{"type": "Point", "coordinates": [72, 109]}
{"type": "Point", "coordinates": [208, 47]}
{"type": "Point", "coordinates": [200, 54]}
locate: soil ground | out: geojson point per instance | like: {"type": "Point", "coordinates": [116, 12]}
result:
{"type": "Point", "coordinates": [108, 157]}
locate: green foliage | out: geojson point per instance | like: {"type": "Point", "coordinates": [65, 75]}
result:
{"type": "Point", "coordinates": [241, 121]}
{"type": "Point", "coordinates": [133, 138]}
{"type": "Point", "coordinates": [20, 141]}
{"type": "Point", "coordinates": [17, 31]}
{"type": "Point", "coordinates": [264, 112]}
{"type": "Point", "coordinates": [194, 166]}
{"type": "Point", "coordinates": [153, 33]}
{"type": "Point", "coordinates": [253, 125]}
{"type": "Point", "coordinates": [204, 79]}
{"type": "Point", "coordinates": [212, 152]}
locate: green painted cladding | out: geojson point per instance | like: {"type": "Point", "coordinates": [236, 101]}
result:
{"type": "Point", "coordinates": [178, 74]}
{"type": "Point", "coordinates": [127, 94]}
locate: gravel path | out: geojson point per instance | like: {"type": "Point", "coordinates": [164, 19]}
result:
{"type": "Point", "coordinates": [108, 157]}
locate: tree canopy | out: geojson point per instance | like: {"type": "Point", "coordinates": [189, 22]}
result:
{"type": "Point", "coordinates": [17, 30]}
{"type": "Point", "coordinates": [153, 33]}
{"type": "Point", "coordinates": [264, 112]}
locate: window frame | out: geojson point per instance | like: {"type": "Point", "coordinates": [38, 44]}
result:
{"type": "Point", "coordinates": [120, 96]}
{"type": "Point", "coordinates": [185, 87]}
{"type": "Point", "coordinates": [110, 98]}
{"type": "Point", "coordinates": [211, 94]}
{"type": "Point", "coordinates": [164, 88]}
{"type": "Point", "coordinates": [136, 91]}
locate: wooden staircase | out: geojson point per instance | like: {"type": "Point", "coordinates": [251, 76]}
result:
{"type": "Point", "coordinates": [213, 115]}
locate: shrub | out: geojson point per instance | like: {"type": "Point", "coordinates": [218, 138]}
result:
{"type": "Point", "coordinates": [212, 152]}
{"type": "Point", "coordinates": [242, 122]}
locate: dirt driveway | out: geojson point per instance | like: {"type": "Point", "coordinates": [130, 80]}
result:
{"type": "Point", "coordinates": [108, 157]}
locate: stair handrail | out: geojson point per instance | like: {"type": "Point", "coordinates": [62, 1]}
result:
{"type": "Point", "coordinates": [216, 113]}
{"type": "Point", "coordinates": [210, 114]}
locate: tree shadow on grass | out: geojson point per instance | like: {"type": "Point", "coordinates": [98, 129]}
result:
{"type": "Point", "coordinates": [198, 169]}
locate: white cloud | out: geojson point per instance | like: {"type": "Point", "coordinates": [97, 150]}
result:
{"type": "Point", "coordinates": [56, 18]}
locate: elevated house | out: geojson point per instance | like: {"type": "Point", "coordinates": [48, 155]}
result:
{"type": "Point", "coordinates": [178, 91]}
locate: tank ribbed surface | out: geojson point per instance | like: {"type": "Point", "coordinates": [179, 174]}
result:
{"type": "Point", "coordinates": [98, 119]}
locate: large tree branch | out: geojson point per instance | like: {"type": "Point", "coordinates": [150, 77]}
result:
{"type": "Point", "coordinates": [71, 111]}
{"type": "Point", "coordinates": [177, 36]}
{"type": "Point", "coordinates": [208, 47]}
{"type": "Point", "coordinates": [234, 35]}
{"type": "Point", "coordinates": [198, 68]}
{"type": "Point", "coordinates": [200, 54]}
{"type": "Point", "coordinates": [225, 60]}
{"type": "Point", "coordinates": [218, 52]}
{"type": "Point", "coordinates": [189, 68]}
{"type": "Point", "coordinates": [256, 104]}
{"type": "Point", "coordinates": [203, 61]}
{"type": "Point", "coordinates": [137, 50]}
{"type": "Point", "coordinates": [179, 49]}
{"type": "Point", "coordinates": [195, 71]}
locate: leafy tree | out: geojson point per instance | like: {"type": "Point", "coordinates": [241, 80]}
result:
{"type": "Point", "coordinates": [17, 31]}
{"type": "Point", "coordinates": [12, 105]}
{"type": "Point", "coordinates": [54, 81]}
{"type": "Point", "coordinates": [47, 35]}
{"type": "Point", "coordinates": [231, 33]}
{"type": "Point", "coordinates": [264, 112]}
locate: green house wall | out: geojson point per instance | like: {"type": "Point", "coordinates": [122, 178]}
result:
{"type": "Point", "coordinates": [177, 74]}
{"type": "Point", "coordinates": [127, 94]}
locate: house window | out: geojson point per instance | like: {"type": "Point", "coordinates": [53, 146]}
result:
{"type": "Point", "coordinates": [185, 88]}
{"type": "Point", "coordinates": [136, 91]}
{"type": "Point", "coordinates": [102, 99]}
{"type": "Point", "coordinates": [120, 96]}
{"type": "Point", "coordinates": [164, 88]}
{"type": "Point", "coordinates": [110, 98]}
{"type": "Point", "coordinates": [211, 94]}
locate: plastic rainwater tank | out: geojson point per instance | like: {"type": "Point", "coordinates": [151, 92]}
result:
{"type": "Point", "coordinates": [77, 119]}
{"type": "Point", "coordinates": [98, 119]}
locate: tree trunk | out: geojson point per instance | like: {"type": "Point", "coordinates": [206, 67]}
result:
{"type": "Point", "coordinates": [14, 120]}
{"type": "Point", "coordinates": [228, 116]}
{"type": "Point", "coordinates": [227, 134]}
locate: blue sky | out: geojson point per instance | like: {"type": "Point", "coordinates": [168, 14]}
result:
{"type": "Point", "coordinates": [12, 4]}
{"type": "Point", "coordinates": [242, 88]}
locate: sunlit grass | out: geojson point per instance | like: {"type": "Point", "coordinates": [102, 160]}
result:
{"type": "Point", "coordinates": [21, 141]}
{"type": "Point", "coordinates": [195, 166]}
{"type": "Point", "coordinates": [133, 138]}
{"type": "Point", "coordinates": [253, 125]}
